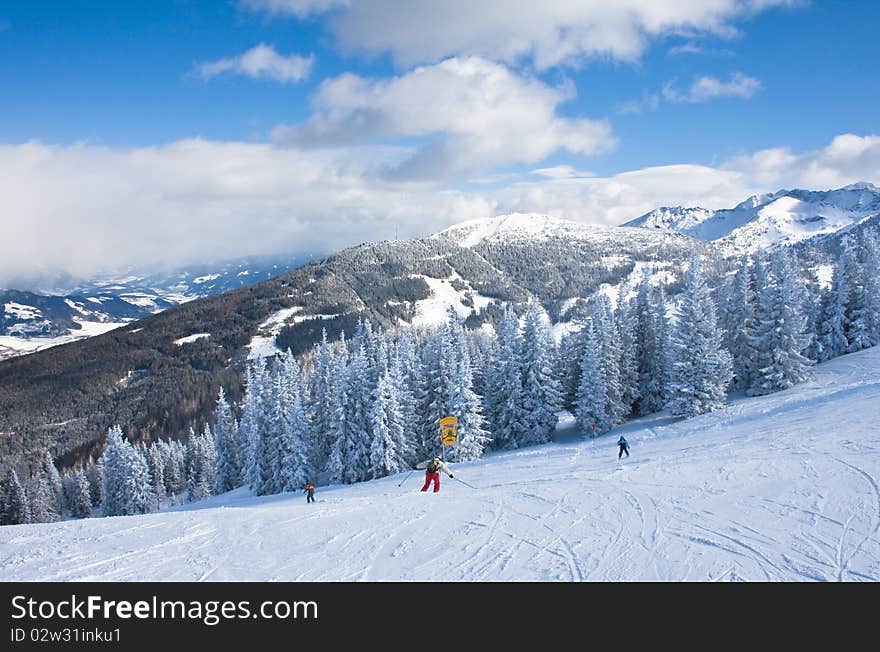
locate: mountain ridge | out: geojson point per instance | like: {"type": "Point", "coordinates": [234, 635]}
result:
{"type": "Point", "coordinates": [764, 221]}
{"type": "Point", "coordinates": [33, 319]}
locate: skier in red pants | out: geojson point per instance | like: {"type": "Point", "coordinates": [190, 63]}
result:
{"type": "Point", "coordinates": [432, 472]}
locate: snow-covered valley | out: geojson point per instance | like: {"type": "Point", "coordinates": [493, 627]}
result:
{"type": "Point", "coordinates": [781, 487]}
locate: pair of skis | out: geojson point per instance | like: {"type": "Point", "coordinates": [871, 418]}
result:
{"type": "Point", "coordinates": [400, 484]}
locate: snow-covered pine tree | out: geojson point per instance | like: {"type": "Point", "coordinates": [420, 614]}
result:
{"type": "Point", "coordinates": [778, 334]}
{"type": "Point", "coordinates": [831, 339]}
{"type": "Point", "coordinates": [591, 406]}
{"type": "Point", "coordinates": [812, 310]}
{"type": "Point", "coordinates": [259, 420]}
{"type": "Point", "coordinates": [503, 379]}
{"type": "Point", "coordinates": [651, 338]}
{"type": "Point", "coordinates": [389, 446]}
{"type": "Point", "coordinates": [80, 497]}
{"type": "Point", "coordinates": [350, 457]}
{"type": "Point", "coordinates": [139, 487]}
{"type": "Point", "coordinates": [870, 249]}
{"type": "Point", "coordinates": [153, 455]}
{"type": "Point", "coordinates": [14, 507]}
{"type": "Point", "coordinates": [226, 441]}
{"type": "Point", "coordinates": [323, 381]}
{"type": "Point", "coordinates": [407, 367]}
{"type": "Point", "coordinates": [626, 330]}
{"type": "Point", "coordinates": [571, 350]}
{"type": "Point", "coordinates": [281, 390]}
{"type": "Point", "coordinates": [252, 414]}
{"type": "Point", "coordinates": [482, 344]}
{"type": "Point", "coordinates": [54, 480]}
{"type": "Point", "coordinates": [542, 396]}
{"type": "Point", "coordinates": [201, 457]}
{"type": "Point", "coordinates": [603, 322]}
{"type": "Point", "coordinates": [127, 483]}
{"type": "Point", "coordinates": [449, 391]}
{"type": "Point", "coordinates": [95, 475]}
{"type": "Point", "coordinates": [68, 489]}
{"type": "Point", "coordinates": [370, 342]}
{"type": "Point", "coordinates": [427, 436]}
{"type": "Point", "coordinates": [173, 468]}
{"type": "Point", "coordinates": [738, 323]}
{"type": "Point", "coordinates": [112, 469]}
{"type": "Point", "coordinates": [701, 367]}
{"type": "Point", "coordinates": [41, 499]}
{"type": "Point", "coordinates": [858, 318]}
{"type": "Point", "coordinates": [664, 341]}
{"type": "Point", "coordinates": [467, 405]}
{"type": "Point", "coordinates": [296, 458]}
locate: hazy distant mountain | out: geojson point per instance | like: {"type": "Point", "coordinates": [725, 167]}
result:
{"type": "Point", "coordinates": [32, 319]}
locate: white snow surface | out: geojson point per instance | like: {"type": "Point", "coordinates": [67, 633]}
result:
{"type": "Point", "coordinates": [206, 278]}
{"type": "Point", "coordinates": [825, 276]}
{"type": "Point", "coordinates": [432, 310]}
{"type": "Point", "coordinates": [12, 346]}
{"type": "Point", "coordinates": [782, 487]}
{"type": "Point", "coordinates": [262, 345]}
{"type": "Point", "coordinates": [22, 311]}
{"type": "Point", "coordinates": [191, 338]}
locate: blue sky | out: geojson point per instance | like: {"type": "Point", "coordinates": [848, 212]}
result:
{"type": "Point", "coordinates": [387, 119]}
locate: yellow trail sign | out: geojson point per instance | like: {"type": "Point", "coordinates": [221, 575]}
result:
{"type": "Point", "coordinates": [448, 430]}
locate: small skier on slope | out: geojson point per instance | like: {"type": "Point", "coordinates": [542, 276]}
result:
{"type": "Point", "coordinates": [624, 447]}
{"type": "Point", "coordinates": [432, 472]}
{"type": "Point", "coordinates": [309, 488]}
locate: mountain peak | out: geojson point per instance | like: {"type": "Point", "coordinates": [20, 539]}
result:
{"type": "Point", "coordinates": [862, 185]}
{"type": "Point", "coordinates": [672, 218]}
{"type": "Point", "coordinates": [759, 200]}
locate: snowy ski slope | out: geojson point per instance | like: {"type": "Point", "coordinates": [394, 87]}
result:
{"type": "Point", "coordinates": [783, 487]}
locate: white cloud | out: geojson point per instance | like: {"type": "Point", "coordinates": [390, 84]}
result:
{"type": "Point", "coordinates": [562, 172]}
{"type": "Point", "coordinates": [694, 48]}
{"type": "Point", "coordinates": [685, 48]}
{"type": "Point", "coordinates": [847, 159]}
{"type": "Point", "coordinates": [81, 209]}
{"type": "Point", "coordinates": [298, 8]}
{"type": "Point", "coordinates": [703, 89]}
{"type": "Point", "coordinates": [649, 102]}
{"type": "Point", "coordinates": [612, 200]}
{"type": "Point", "coordinates": [261, 62]}
{"type": "Point", "coordinates": [545, 33]}
{"type": "Point", "coordinates": [468, 114]}
{"type": "Point", "coordinates": [707, 88]}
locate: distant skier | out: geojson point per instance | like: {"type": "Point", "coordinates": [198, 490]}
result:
{"type": "Point", "coordinates": [432, 472]}
{"type": "Point", "coordinates": [624, 447]}
{"type": "Point", "coordinates": [309, 488]}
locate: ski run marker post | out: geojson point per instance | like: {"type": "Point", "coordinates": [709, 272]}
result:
{"type": "Point", "coordinates": [448, 430]}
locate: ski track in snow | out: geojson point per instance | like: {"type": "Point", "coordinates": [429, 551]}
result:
{"type": "Point", "coordinates": [777, 488]}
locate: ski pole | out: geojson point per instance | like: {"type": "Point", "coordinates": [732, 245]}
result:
{"type": "Point", "coordinates": [406, 478]}
{"type": "Point", "coordinates": [464, 483]}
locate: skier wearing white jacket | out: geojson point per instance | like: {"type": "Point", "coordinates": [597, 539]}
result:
{"type": "Point", "coordinates": [432, 472]}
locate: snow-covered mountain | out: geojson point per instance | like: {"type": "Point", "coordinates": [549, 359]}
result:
{"type": "Point", "coordinates": [56, 312]}
{"type": "Point", "coordinates": [778, 488]}
{"type": "Point", "coordinates": [784, 217]}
